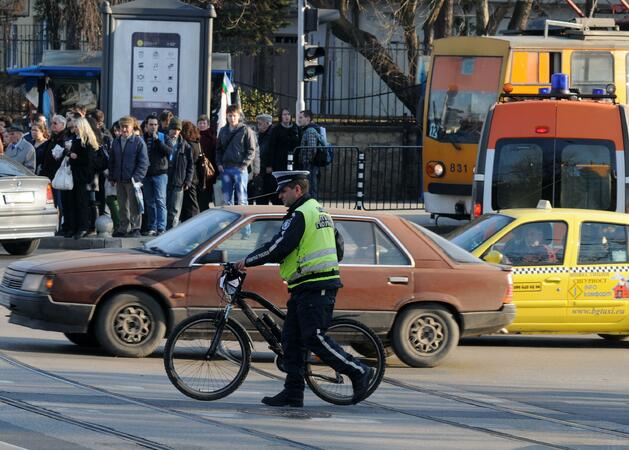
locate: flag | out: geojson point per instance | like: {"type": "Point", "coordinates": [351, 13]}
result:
{"type": "Point", "coordinates": [226, 90]}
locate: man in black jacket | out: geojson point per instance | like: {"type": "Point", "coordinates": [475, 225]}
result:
{"type": "Point", "coordinates": [156, 177]}
{"type": "Point", "coordinates": [180, 171]}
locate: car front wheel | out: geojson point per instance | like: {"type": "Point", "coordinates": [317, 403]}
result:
{"type": "Point", "coordinates": [21, 247]}
{"type": "Point", "coordinates": [423, 336]}
{"type": "Point", "coordinates": [131, 323]}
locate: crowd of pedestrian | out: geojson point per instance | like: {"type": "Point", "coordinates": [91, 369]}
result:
{"type": "Point", "coordinates": [150, 176]}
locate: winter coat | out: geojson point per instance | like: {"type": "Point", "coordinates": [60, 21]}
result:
{"type": "Point", "coordinates": [181, 167]}
{"type": "Point", "coordinates": [50, 165]}
{"type": "Point", "coordinates": [283, 141]}
{"type": "Point", "coordinates": [158, 153]}
{"type": "Point", "coordinates": [82, 166]}
{"type": "Point", "coordinates": [130, 162]}
{"type": "Point", "coordinates": [238, 148]}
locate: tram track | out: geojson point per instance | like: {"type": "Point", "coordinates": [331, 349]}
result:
{"type": "Point", "coordinates": [276, 439]}
{"type": "Point", "coordinates": [480, 404]}
{"type": "Point", "coordinates": [272, 438]}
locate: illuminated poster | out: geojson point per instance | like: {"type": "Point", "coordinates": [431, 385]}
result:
{"type": "Point", "coordinates": [154, 73]}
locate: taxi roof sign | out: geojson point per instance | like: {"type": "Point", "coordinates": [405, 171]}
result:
{"type": "Point", "coordinates": [544, 204]}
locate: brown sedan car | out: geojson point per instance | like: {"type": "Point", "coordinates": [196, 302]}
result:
{"type": "Point", "coordinates": [418, 291]}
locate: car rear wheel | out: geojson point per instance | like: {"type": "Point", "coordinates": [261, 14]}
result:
{"type": "Point", "coordinates": [83, 339]}
{"type": "Point", "coordinates": [424, 335]}
{"type": "Point", "coordinates": [21, 247]}
{"type": "Point", "coordinates": [615, 337]}
{"type": "Point", "coordinates": [131, 323]}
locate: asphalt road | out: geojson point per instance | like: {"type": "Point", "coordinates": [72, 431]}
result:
{"type": "Point", "coordinates": [497, 392]}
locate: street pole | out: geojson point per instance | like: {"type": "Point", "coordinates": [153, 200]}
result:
{"type": "Point", "coordinates": [301, 41]}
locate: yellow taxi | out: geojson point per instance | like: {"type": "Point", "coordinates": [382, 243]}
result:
{"type": "Point", "coordinates": [570, 267]}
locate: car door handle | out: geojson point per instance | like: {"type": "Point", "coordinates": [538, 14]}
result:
{"type": "Point", "coordinates": [552, 280]}
{"type": "Point", "coordinates": [398, 280]}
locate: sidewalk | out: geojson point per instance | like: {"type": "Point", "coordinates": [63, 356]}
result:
{"type": "Point", "coordinates": [443, 226]}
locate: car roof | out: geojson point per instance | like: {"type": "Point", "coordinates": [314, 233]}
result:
{"type": "Point", "coordinates": [251, 210]}
{"type": "Point", "coordinates": [565, 213]}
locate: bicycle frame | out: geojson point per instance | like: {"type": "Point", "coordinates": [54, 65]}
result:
{"type": "Point", "coordinates": [270, 334]}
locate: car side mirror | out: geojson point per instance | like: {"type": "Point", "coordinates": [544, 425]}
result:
{"type": "Point", "coordinates": [494, 257]}
{"type": "Point", "coordinates": [213, 257]}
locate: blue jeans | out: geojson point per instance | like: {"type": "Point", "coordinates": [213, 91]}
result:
{"type": "Point", "coordinates": [234, 181]}
{"type": "Point", "coordinates": [313, 178]}
{"type": "Point", "coordinates": [155, 201]}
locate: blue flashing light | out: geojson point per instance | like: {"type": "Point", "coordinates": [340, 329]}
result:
{"type": "Point", "coordinates": [598, 91]}
{"type": "Point", "coordinates": [544, 90]}
{"type": "Point", "coordinates": [559, 83]}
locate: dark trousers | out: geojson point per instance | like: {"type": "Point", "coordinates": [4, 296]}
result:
{"type": "Point", "coordinates": [308, 317]}
{"type": "Point", "coordinates": [190, 205]}
{"type": "Point", "coordinates": [76, 205]}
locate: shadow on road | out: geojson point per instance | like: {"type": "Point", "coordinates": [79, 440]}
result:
{"type": "Point", "coordinates": [542, 341]}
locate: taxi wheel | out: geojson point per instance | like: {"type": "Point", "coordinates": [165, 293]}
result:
{"type": "Point", "coordinates": [424, 336]}
{"type": "Point", "coordinates": [131, 323]}
{"type": "Point", "coordinates": [615, 337]}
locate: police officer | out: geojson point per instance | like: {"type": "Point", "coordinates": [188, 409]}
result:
{"type": "Point", "coordinates": [306, 249]}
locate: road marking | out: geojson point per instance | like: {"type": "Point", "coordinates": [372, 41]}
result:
{"type": "Point", "coordinates": [7, 446]}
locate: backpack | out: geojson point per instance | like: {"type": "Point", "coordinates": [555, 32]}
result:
{"type": "Point", "coordinates": [324, 154]}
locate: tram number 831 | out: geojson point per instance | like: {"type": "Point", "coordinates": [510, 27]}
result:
{"type": "Point", "coordinates": [458, 168]}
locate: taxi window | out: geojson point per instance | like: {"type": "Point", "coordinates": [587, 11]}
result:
{"type": "Point", "coordinates": [591, 70]}
{"type": "Point", "coordinates": [248, 238]}
{"type": "Point", "coordinates": [367, 244]}
{"type": "Point", "coordinates": [602, 243]}
{"type": "Point", "coordinates": [533, 244]}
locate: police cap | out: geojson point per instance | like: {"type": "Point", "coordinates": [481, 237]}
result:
{"type": "Point", "coordinates": [283, 177]}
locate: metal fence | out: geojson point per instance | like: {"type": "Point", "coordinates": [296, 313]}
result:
{"type": "Point", "coordinates": [392, 177]}
{"type": "Point", "coordinates": [375, 178]}
{"type": "Point", "coordinates": [349, 92]}
{"type": "Point", "coordinates": [24, 45]}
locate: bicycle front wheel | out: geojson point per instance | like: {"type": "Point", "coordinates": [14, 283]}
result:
{"type": "Point", "coordinates": [199, 375]}
{"type": "Point", "coordinates": [334, 387]}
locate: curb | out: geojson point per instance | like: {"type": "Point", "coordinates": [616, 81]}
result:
{"type": "Point", "coordinates": [88, 243]}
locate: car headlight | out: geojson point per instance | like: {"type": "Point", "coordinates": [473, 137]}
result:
{"type": "Point", "coordinates": [34, 282]}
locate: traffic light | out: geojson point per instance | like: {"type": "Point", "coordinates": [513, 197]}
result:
{"type": "Point", "coordinates": [312, 68]}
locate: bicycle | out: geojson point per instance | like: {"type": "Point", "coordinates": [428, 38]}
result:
{"type": "Point", "coordinates": [208, 356]}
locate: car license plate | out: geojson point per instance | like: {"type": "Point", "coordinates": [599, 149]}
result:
{"type": "Point", "coordinates": [19, 197]}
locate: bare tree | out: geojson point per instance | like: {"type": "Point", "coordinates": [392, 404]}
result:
{"type": "Point", "coordinates": [482, 17]}
{"type": "Point", "coordinates": [521, 13]}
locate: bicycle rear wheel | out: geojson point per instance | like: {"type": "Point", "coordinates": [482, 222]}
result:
{"type": "Point", "coordinates": [334, 387]}
{"type": "Point", "coordinates": [195, 374]}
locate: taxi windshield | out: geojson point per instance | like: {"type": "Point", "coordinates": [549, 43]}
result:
{"type": "Point", "coordinates": [462, 90]}
{"type": "Point", "coordinates": [186, 237]}
{"type": "Point", "coordinates": [470, 236]}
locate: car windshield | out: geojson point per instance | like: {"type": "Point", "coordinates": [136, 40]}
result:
{"type": "Point", "coordinates": [470, 236]}
{"type": "Point", "coordinates": [455, 253]}
{"type": "Point", "coordinates": [461, 92]}
{"type": "Point", "coordinates": [10, 168]}
{"type": "Point", "coordinates": [186, 237]}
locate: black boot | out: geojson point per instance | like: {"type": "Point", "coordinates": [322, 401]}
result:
{"type": "Point", "coordinates": [361, 385]}
{"type": "Point", "coordinates": [285, 398]}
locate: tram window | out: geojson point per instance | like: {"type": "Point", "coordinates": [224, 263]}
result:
{"type": "Point", "coordinates": [591, 70]}
{"type": "Point", "coordinates": [525, 67]}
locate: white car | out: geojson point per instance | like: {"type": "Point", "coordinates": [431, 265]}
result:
{"type": "Point", "coordinates": [27, 210]}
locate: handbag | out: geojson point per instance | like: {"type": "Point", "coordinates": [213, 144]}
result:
{"type": "Point", "coordinates": [63, 177]}
{"type": "Point", "coordinates": [207, 171]}
{"type": "Point", "coordinates": [139, 197]}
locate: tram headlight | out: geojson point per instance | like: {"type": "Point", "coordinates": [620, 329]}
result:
{"type": "Point", "coordinates": [435, 169]}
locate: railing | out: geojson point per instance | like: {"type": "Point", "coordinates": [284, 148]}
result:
{"type": "Point", "coordinates": [349, 92]}
{"type": "Point", "coordinates": [24, 45]}
{"type": "Point", "coordinates": [376, 178]}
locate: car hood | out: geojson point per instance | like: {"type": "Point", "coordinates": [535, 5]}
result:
{"type": "Point", "coordinates": [94, 260]}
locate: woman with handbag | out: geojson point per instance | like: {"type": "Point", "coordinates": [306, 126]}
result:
{"type": "Point", "coordinates": [190, 206]}
{"type": "Point", "coordinates": [80, 153]}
